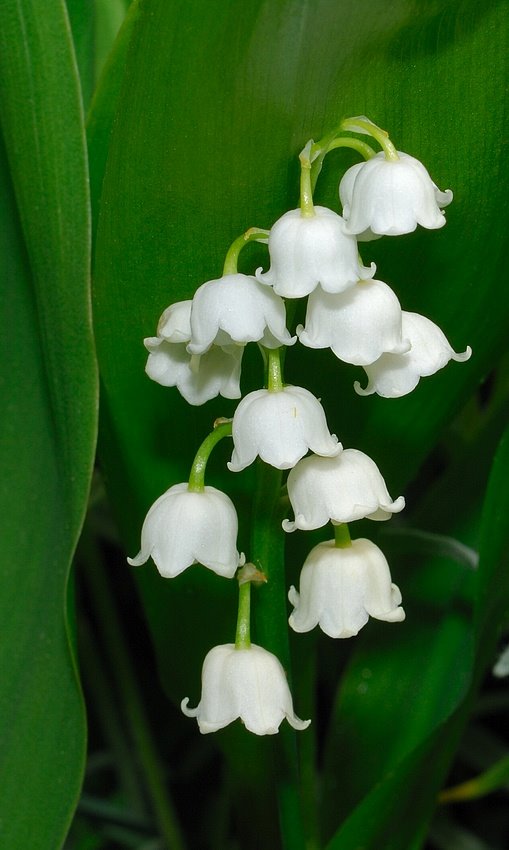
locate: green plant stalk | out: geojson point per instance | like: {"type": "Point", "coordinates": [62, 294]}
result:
{"type": "Point", "coordinates": [271, 621]}
{"type": "Point", "coordinates": [274, 370]}
{"type": "Point", "coordinates": [115, 646]}
{"type": "Point", "coordinates": [496, 777]}
{"type": "Point", "coordinates": [381, 136]}
{"type": "Point", "coordinates": [363, 148]}
{"type": "Point", "coordinates": [342, 536]}
{"type": "Point", "coordinates": [243, 634]}
{"type": "Point", "coordinates": [199, 465]}
{"type": "Point", "coordinates": [319, 151]}
{"type": "Point", "coordinates": [307, 209]}
{"type": "Point", "coordinates": [254, 234]}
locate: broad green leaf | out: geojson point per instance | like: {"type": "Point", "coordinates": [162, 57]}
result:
{"type": "Point", "coordinates": [213, 111]}
{"type": "Point", "coordinates": [49, 418]}
{"type": "Point", "coordinates": [94, 25]}
{"type": "Point", "coordinates": [82, 22]}
{"type": "Point", "coordinates": [103, 108]}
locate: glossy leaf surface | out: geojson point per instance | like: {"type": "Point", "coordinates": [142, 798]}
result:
{"type": "Point", "coordinates": [49, 419]}
{"type": "Point", "coordinates": [215, 107]}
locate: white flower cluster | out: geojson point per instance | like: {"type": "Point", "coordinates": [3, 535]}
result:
{"type": "Point", "coordinates": [198, 348]}
{"type": "Point", "coordinates": [199, 343]}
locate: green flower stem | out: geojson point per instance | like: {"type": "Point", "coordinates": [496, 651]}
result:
{"type": "Point", "coordinates": [223, 428]}
{"type": "Point", "coordinates": [271, 622]}
{"type": "Point", "coordinates": [243, 635]}
{"type": "Point", "coordinates": [113, 640]}
{"type": "Point", "coordinates": [319, 150]}
{"type": "Point", "coordinates": [254, 234]}
{"type": "Point", "coordinates": [342, 536]}
{"type": "Point", "coordinates": [274, 370]}
{"type": "Point", "coordinates": [306, 190]}
{"type": "Point", "coordinates": [381, 136]}
{"type": "Point", "coordinates": [363, 148]}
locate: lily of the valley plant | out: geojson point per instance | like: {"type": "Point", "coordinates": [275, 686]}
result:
{"type": "Point", "coordinates": [313, 254]}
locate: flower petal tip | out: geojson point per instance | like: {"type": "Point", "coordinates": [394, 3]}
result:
{"type": "Point", "coordinates": [140, 559]}
{"type": "Point", "coordinates": [463, 356]}
{"type": "Point", "coordinates": [189, 712]}
{"type": "Point", "coordinates": [360, 391]}
{"type": "Point", "coordinates": [297, 723]}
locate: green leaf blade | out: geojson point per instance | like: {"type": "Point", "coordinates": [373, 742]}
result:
{"type": "Point", "coordinates": [49, 423]}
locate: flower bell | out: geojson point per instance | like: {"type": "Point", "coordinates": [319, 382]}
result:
{"type": "Point", "coordinates": [342, 489]}
{"type": "Point", "coordinates": [395, 375]}
{"type": "Point", "coordinates": [184, 527]}
{"type": "Point", "coordinates": [249, 684]}
{"type": "Point", "coordinates": [359, 325]}
{"type": "Point", "coordinates": [340, 588]}
{"type": "Point", "coordinates": [280, 427]}
{"type": "Point", "coordinates": [391, 196]}
{"type": "Point", "coordinates": [197, 378]}
{"type": "Point", "coordinates": [307, 251]}
{"type": "Point", "coordinates": [237, 309]}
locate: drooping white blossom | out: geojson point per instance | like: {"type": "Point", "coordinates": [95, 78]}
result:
{"type": "Point", "coordinates": [359, 325]}
{"type": "Point", "coordinates": [395, 375]}
{"type": "Point", "coordinates": [342, 489]}
{"type": "Point", "coordinates": [280, 427]}
{"type": "Point", "coordinates": [184, 527]}
{"type": "Point", "coordinates": [391, 197]}
{"type": "Point", "coordinates": [340, 588]}
{"type": "Point", "coordinates": [345, 197]}
{"type": "Point", "coordinates": [307, 251]}
{"type": "Point", "coordinates": [237, 308]}
{"type": "Point", "coordinates": [175, 322]}
{"type": "Point", "coordinates": [249, 684]}
{"type": "Point", "coordinates": [197, 377]}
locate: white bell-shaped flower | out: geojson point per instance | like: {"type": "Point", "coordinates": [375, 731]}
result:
{"type": "Point", "coordinates": [184, 527]}
{"type": "Point", "coordinates": [198, 378]}
{"type": "Point", "coordinates": [249, 684]}
{"type": "Point", "coordinates": [391, 197]}
{"type": "Point", "coordinates": [175, 323]}
{"type": "Point", "coordinates": [305, 252]}
{"type": "Point", "coordinates": [342, 489]}
{"type": "Point", "coordinates": [345, 197]}
{"type": "Point", "coordinates": [359, 325]}
{"type": "Point", "coordinates": [395, 375]}
{"type": "Point", "coordinates": [340, 588]}
{"type": "Point", "coordinates": [236, 308]}
{"type": "Point", "coordinates": [280, 426]}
